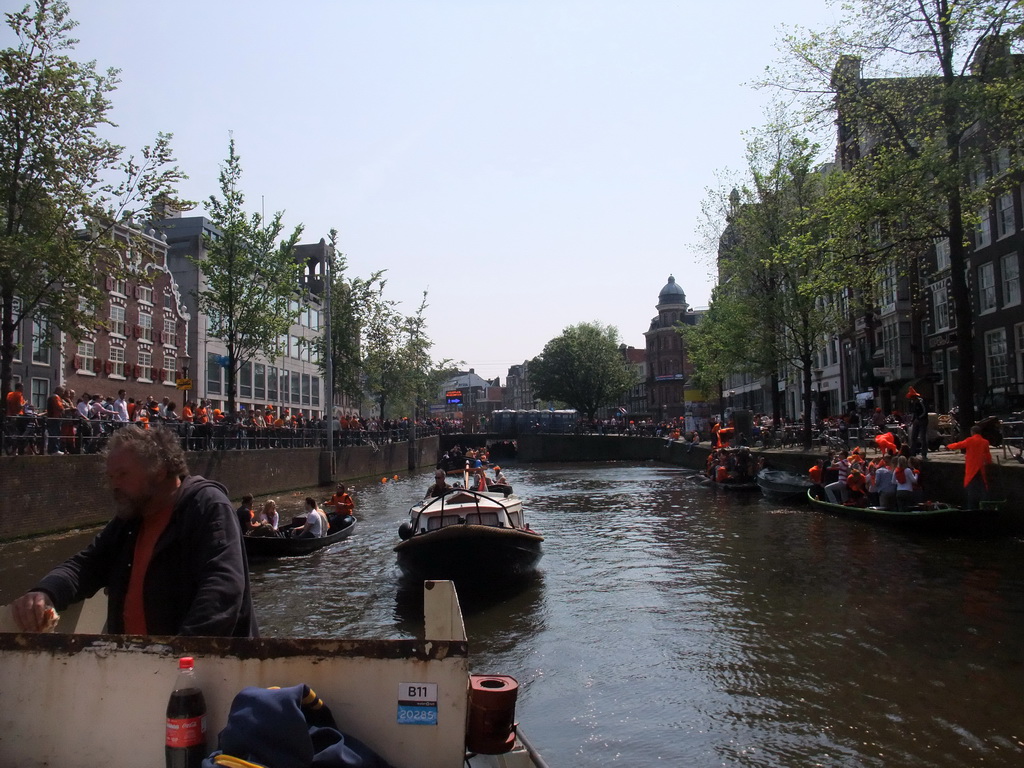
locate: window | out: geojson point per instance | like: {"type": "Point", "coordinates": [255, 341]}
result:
{"type": "Point", "coordinates": [891, 346]}
{"type": "Point", "coordinates": [296, 392]}
{"type": "Point", "coordinates": [168, 300]}
{"type": "Point", "coordinates": [17, 331]}
{"type": "Point", "coordinates": [983, 232]}
{"type": "Point", "coordinates": [145, 326]}
{"type": "Point", "coordinates": [986, 287]}
{"type": "Point", "coordinates": [979, 175]}
{"type": "Point", "coordinates": [888, 288]}
{"type": "Point", "coordinates": [314, 319]}
{"type": "Point", "coordinates": [116, 360]}
{"type": "Point", "coordinates": [170, 332]}
{"type": "Point", "coordinates": [1005, 224]}
{"type": "Point", "coordinates": [942, 254]}
{"type": "Point", "coordinates": [1018, 335]}
{"type": "Point", "coordinates": [40, 393]}
{"type": "Point", "coordinates": [260, 381]}
{"type": "Point", "coordinates": [271, 383]}
{"type": "Point", "coordinates": [284, 386]}
{"type": "Point", "coordinates": [144, 293]}
{"type": "Point", "coordinates": [316, 390]}
{"type": "Point", "coordinates": [295, 348]}
{"type": "Point", "coordinates": [40, 341]}
{"type": "Point", "coordinates": [305, 389]}
{"type": "Point", "coordinates": [1010, 267]}
{"type": "Point", "coordinates": [117, 320]}
{"type": "Point", "coordinates": [145, 365]}
{"type": "Point", "coordinates": [940, 300]}
{"type": "Point", "coordinates": [119, 286]}
{"type": "Point", "coordinates": [1000, 161]}
{"type": "Point", "coordinates": [213, 374]}
{"type": "Point", "coordinates": [995, 356]}
{"type": "Point", "coordinates": [245, 380]}
{"type": "Point", "coordinates": [86, 356]}
{"type": "Point", "coordinates": [170, 373]}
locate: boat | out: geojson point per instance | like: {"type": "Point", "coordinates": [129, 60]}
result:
{"type": "Point", "coordinates": [466, 534]}
{"type": "Point", "coordinates": [780, 485]}
{"type": "Point", "coordinates": [926, 516]}
{"type": "Point", "coordinates": [725, 485]}
{"type": "Point", "coordinates": [59, 706]}
{"type": "Point", "coordinates": [286, 546]}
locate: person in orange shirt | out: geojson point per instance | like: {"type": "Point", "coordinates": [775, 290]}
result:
{"type": "Point", "coordinates": [976, 461]}
{"type": "Point", "coordinates": [856, 488]}
{"type": "Point", "coordinates": [16, 400]}
{"type": "Point", "coordinates": [341, 505]}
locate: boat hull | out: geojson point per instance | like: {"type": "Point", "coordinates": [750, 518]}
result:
{"type": "Point", "coordinates": [778, 485]}
{"type": "Point", "coordinates": [463, 552]}
{"type": "Point", "coordinates": [273, 546]}
{"type": "Point", "coordinates": [939, 518]}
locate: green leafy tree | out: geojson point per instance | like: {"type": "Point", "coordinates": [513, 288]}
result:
{"type": "Point", "coordinates": [768, 312]}
{"type": "Point", "coordinates": [63, 187]}
{"type": "Point", "coordinates": [353, 300]}
{"type": "Point", "coordinates": [939, 70]}
{"type": "Point", "coordinates": [250, 277]}
{"type": "Point", "coordinates": [582, 368]}
{"type": "Point", "coordinates": [396, 365]}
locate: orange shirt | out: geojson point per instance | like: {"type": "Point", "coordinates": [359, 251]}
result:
{"type": "Point", "coordinates": [342, 503]}
{"type": "Point", "coordinates": [15, 403]}
{"type": "Point", "coordinates": [977, 459]}
{"type": "Point", "coordinates": [134, 599]}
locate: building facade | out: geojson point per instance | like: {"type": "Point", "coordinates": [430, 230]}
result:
{"type": "Point", "coordinates": [668, 364]}
{"type": "Point", "coordinates": [290, 380]}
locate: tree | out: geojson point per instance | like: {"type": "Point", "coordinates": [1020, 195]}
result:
{"type": "Point", "coordinates": [59, 205]}
{"type": "Point", "coordinates": [941, 69]}
{"type": "Point", "coordinates": [250, 279]}
{"type": "Point", "coordinates": [352, 300]}
{"type": "Point", "coordinates": [583, 368]}
{"type": "Point", "coordinates": [768, 312]}
{"type": "Point", "coordinates": [396, 363]}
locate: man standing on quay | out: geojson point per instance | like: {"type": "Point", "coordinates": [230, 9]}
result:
{"type": "Point", "coordinates": [172, 559]}
{"type": "Point", "coordinates": [976, 461]}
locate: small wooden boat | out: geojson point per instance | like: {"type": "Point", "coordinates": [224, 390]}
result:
{"type": "Point", "coordinates": [60, 708]}
{"type": "Point", "coordinates": [466, 534]}
{"type": "Point", "coordinates": [780, 485]}
{"type": "Point", "coordinates": [929, 516]}
{"type": "Point", "coordinates": [288, 546]}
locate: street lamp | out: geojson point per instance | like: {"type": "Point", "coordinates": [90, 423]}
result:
{"type": "Point", "coordinates": [185, 359]}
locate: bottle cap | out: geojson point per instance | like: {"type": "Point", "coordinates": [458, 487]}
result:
{"type": "Point", "coordinates": [186, 662]}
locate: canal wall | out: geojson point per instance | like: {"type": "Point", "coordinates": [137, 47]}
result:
{"type": "Point", "coordinates": [46, 494]}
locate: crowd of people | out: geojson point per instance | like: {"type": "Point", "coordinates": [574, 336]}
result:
{"type": "Point", "coordinates": [73, 423]}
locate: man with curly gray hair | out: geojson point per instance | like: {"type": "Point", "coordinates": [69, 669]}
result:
{"type": "Point", "coordinates": [172, 559]}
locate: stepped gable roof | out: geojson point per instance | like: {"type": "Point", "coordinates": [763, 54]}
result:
{"type": "Point", "coordinates": [672, 293]}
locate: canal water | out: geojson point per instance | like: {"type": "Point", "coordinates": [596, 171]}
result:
{"type": "Point", "coordinates": [675, 625]}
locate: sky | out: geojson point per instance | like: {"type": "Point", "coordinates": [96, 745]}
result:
{"type": "Point", "coordinates": [530, 164]}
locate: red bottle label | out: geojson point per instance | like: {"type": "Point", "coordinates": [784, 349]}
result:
{"type": "Point", "coordinates": [186, 732]}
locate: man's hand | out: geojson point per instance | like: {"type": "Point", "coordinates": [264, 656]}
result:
{"type": "Point", "coordinates": [33, 612]}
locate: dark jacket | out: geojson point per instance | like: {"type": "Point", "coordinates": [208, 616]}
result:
{"type": "Point", "coordinates": [198, 578]}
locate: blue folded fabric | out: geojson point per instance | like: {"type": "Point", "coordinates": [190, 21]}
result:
{"type": "Point", "coordinates": [287, 728]}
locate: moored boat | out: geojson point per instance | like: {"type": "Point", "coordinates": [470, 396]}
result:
{"type": "Point", "coordinates": [466, 534]}
{"type": "Point", "coordinates": [780, 485]}
{"type": "Point", "coordinates": [928, 516]}
{"type": "Point", "coordinates": [288, 546]}
{"type": "Point", "coordinates": [60, 707]}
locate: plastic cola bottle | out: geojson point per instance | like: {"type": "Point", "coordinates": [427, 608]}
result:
{"type": "Point", "coordinates": [186, 720]}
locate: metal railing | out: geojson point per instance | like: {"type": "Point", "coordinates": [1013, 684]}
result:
{"type": "Point", "coordinates": [39, 435]}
